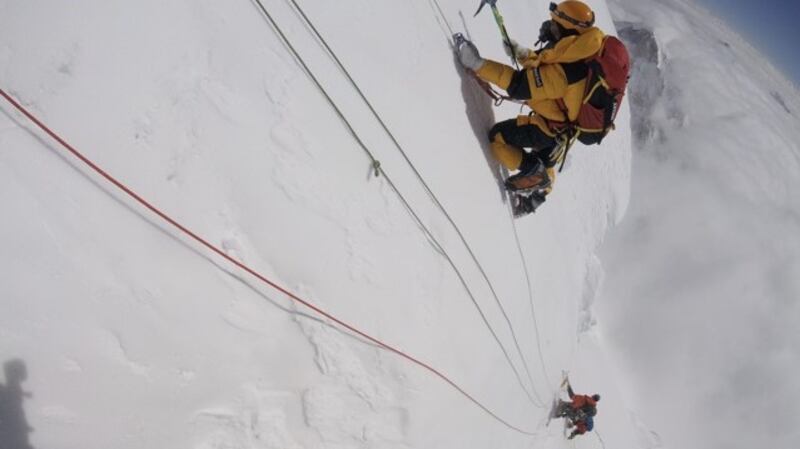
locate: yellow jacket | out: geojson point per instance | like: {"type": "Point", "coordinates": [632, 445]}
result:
{"type": "Point", "coordinates": [546, 77]}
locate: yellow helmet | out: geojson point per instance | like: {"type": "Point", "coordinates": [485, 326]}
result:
{"type": "Point", "coordinates": [572, 15]}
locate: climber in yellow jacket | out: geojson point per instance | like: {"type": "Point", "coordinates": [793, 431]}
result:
{"type": "Point", "coordinates": [553, 81]}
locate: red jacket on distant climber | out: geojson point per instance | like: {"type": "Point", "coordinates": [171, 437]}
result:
{"type": "Point", "coordinates": [582, 400]}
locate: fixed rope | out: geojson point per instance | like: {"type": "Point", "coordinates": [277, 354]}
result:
{"type": "Point", "coordinates": [97, 169]}
{"type": "Point", "coordinates": [536, 401]}
{"type": "Point", "coordinates": [438, 7]}
{"type": "Point", "coordinates": [425, 185]}
{"type": "Point", "coordinates": [531, 301]}
{"type": "Point", "coordinates": [438, 10]}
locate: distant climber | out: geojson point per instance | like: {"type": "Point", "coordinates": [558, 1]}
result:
{"type": "Point", "coordinates": [579, 411]}
{"type": "Point", "coordinates": [573, 85]}
{"type": "Point", "coordinates": [582, 425]}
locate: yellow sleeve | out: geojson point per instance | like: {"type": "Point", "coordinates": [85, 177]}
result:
{"type": "Point", "coordinates": [496, 73]}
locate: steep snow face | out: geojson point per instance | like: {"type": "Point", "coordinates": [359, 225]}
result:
{"type": "Point", "coordinates": [700, 299]}
{"type": "Point", "coordinates": [129, 335]}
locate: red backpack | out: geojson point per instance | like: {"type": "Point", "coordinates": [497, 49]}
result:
{"type": "Point", "coordinates": [608, 75]}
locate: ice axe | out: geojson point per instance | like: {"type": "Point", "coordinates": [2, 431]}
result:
{"type": "Point", "coordinates": [498, 18]}
{"type": "Point", "coordinates": [493, 3]}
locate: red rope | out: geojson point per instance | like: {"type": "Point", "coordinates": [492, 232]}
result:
{"type": "Point", "coordinates": [244, 267]}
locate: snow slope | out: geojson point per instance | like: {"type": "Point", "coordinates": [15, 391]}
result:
{"type": "Point", "coordinates": [130, 335]}
{"type": "Point", "coordinates": [700, 303]}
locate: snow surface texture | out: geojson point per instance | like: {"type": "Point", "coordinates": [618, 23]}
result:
{"type": "Point", "coordinates": [700, 302]}
{"type": "Point", "coordinates": [117, 332]}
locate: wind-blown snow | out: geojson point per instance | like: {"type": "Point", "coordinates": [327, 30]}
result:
{"type": "Point", "coordinates": [128, 335]}
{"type": "Point", "coordinates": [700, 299]}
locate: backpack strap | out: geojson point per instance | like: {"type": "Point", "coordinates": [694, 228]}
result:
{"type": "Point", "coordinates": [594, 81]}
{"type": "Point", "coordinates": [570, 131]}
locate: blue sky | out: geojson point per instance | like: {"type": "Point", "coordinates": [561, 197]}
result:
{"type": "Point", "coordinates": [770, 25]}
